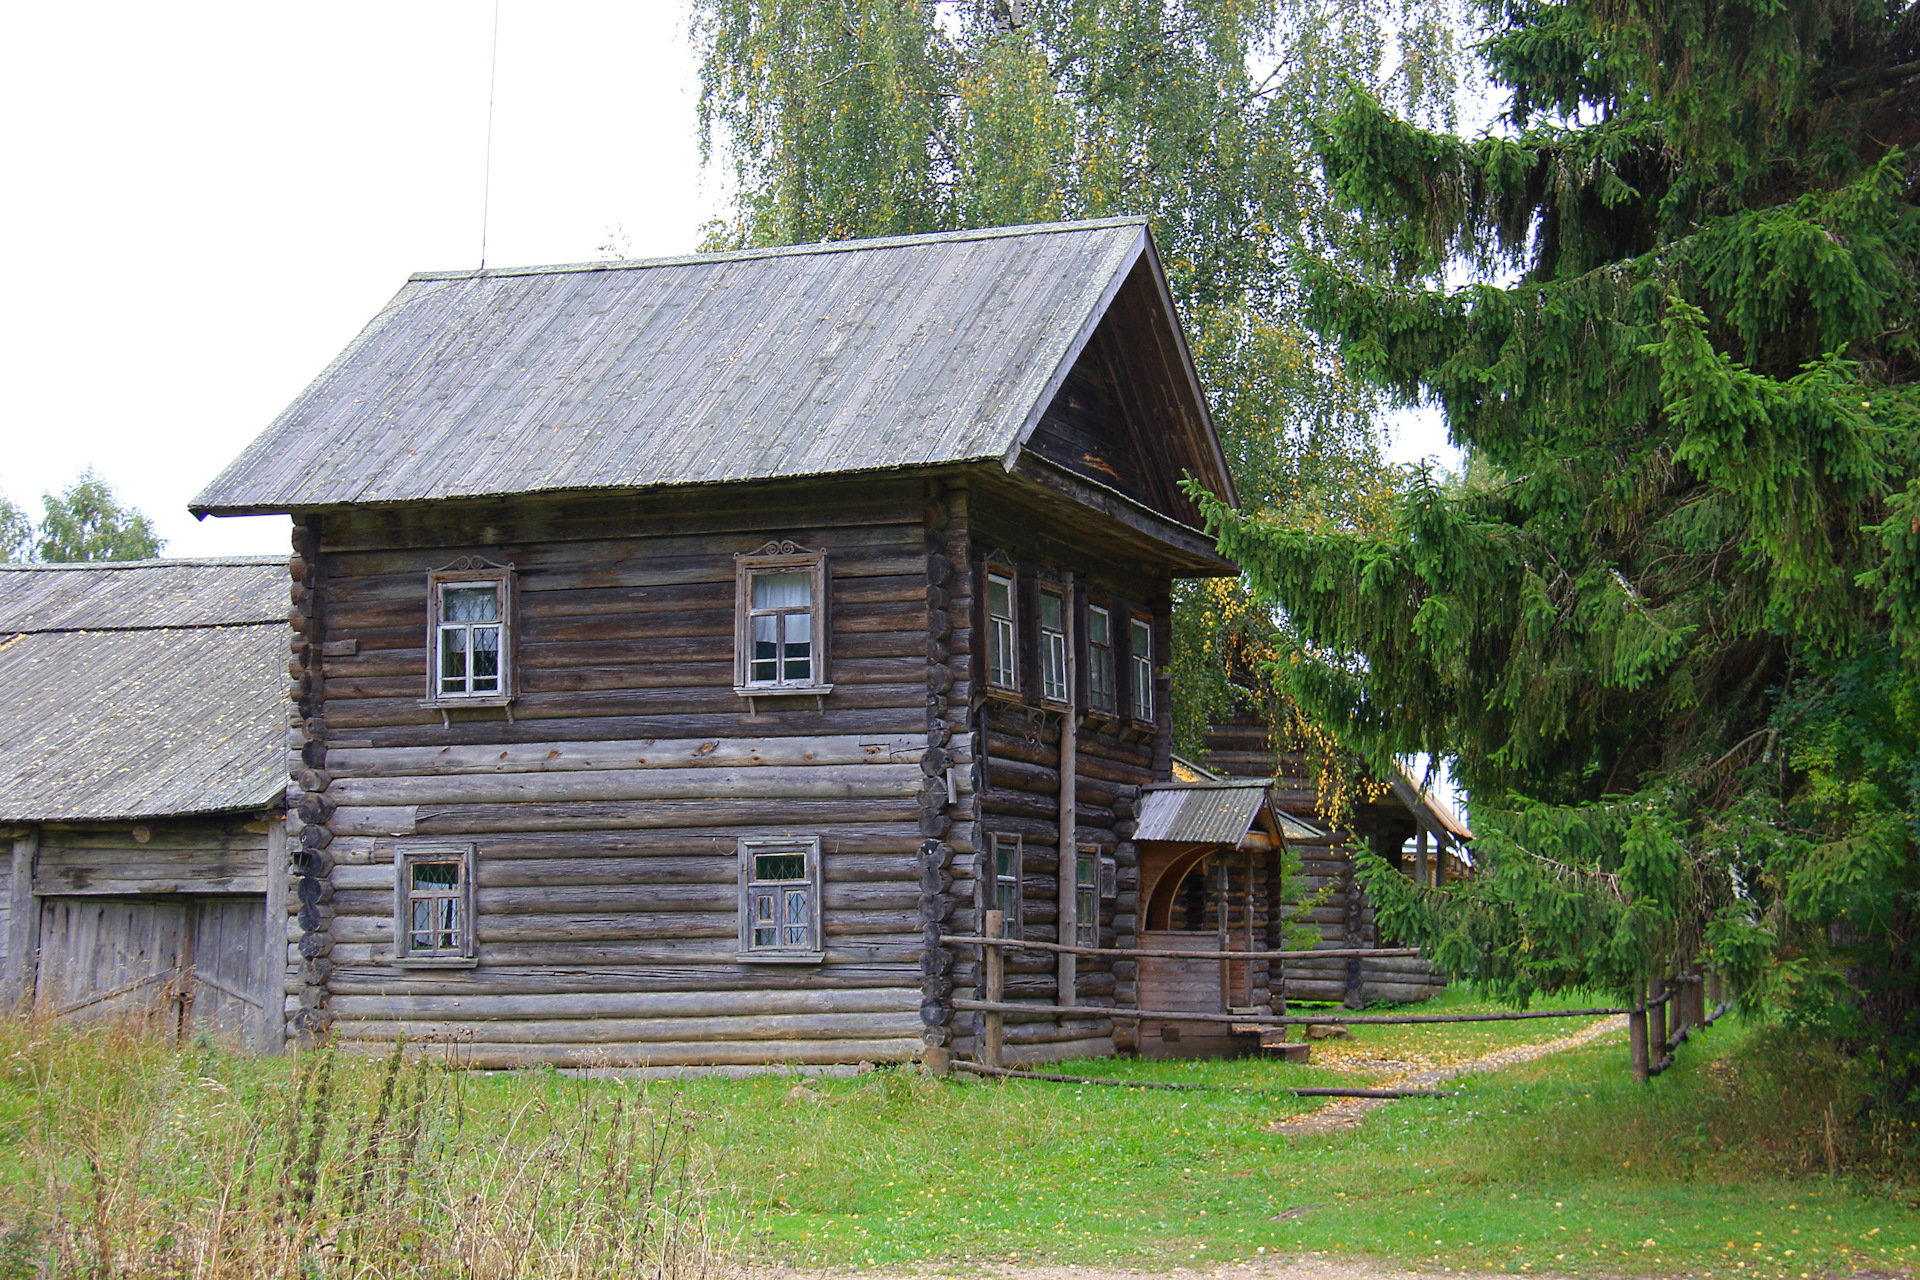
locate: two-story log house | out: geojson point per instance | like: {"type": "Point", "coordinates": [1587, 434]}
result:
{"type": "Point", "coordinates": [680, 649]}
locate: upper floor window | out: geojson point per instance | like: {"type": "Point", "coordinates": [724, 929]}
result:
{"type": "Point", "coordinates": [780, 899]}
{"type": "Point", "coordinates": [1140, 655]}
{"type": "Point", "coordinates": [470, 632]}
{"type": "Point", "coordinates": [1053, 646]}
{"type": "Point", "coordinates": [1100, 691]}
{"type": "Point", "coordinates": [433, 906]}
{"type": "Point", "coordinates": [781, 623]}
{"type": "Point", "coordinates": [1000, 631]}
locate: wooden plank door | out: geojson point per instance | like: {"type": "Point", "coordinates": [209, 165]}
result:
{"type": "Point", "coordinates": [110, 957]}
{"type": "Point", "coordinates": [190, 964]}
{"type": "Point", "coordinates": [226, 964]}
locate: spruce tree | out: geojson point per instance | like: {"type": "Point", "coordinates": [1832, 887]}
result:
{"type": "Point", "coordinates": [1668, 623]}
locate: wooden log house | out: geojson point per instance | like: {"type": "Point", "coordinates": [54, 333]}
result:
{"type": "Point", "coordinates": [683, 649]}
{"type": "Point", "coordinates": [1387, 816]}
{"type": "Point", "coordinates": [141, 775]}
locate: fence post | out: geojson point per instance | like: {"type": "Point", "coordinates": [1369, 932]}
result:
{"type": "Point", "coordinates": [1656, 1022]}
{"type": "Point", "coordinates": [993, 1034]}
{"type": "Point", "coordinates": [1637, 1040]}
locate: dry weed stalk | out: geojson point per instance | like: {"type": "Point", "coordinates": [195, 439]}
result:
{"type": "Point", "coordinates": [139, 1159]}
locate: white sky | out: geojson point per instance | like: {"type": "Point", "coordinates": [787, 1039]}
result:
{"type": "Point", "coordinates": [206, 201]}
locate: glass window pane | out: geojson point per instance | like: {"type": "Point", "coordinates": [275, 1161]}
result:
{"type": "Point", "coordinates": [999, 597]}
{"type": "Point", "coordinates": [486, 659]}
{"type": "Point", "coordinates": [470, 604]}
{"type": "Point", "coordinates": [1142, 640]}
{"type": "Point", "coordinates": [453, 659]}
{"type": "Point", "coordinates": [764, 667]}
{"type": "Point", "coordinates": [783, 865]}
{"type": "Point", "coordinates": [783, 590]}
{"type": "Point", "coordinates": [799, 655]}
{"type": "Point", "coordinates": [1098, 627]}
{"type": "Point", "coordinates": [1050, 611]}
{"type": "Point", "coordinates": [436, 875]}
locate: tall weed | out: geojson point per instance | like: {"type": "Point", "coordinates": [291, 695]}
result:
{"type": "Point", "coordinates": [122, 1157]}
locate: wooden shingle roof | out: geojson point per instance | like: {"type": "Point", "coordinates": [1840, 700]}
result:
{"type": "Point", "coordinates": [141, 689]}
{"type": "Point", "coordinates": [856, 356]}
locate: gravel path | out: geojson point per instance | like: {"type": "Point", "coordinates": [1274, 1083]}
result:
{"type": "Point", "coordinates": [1348, 1112]}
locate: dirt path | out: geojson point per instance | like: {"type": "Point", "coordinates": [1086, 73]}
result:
{"type": "Point", "coordinates": [1348, 1112]}
{"type": "Point", "coordinates": [1312, 1266]}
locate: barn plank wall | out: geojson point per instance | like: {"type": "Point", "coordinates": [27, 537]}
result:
{"type": "Point", "coordinates": [606, 810]}
{"type": "Point", "coordinates": [176, 856]}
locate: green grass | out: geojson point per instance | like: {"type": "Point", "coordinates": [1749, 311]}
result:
{"type": "Point", "coordinates": [1719, 1168]}
{"type": "Point", "coordinates": [1563, 1164]}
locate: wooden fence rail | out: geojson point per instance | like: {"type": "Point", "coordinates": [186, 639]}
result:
{"type": "Point", "coordinates": [1135, 953]}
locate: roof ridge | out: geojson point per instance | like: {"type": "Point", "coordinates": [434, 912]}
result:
{"type": "Point", "coordinates": [184, 562]}
{"type": "Point", "coordinates": [794, 250]}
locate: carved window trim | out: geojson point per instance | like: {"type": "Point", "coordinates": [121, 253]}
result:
{"type": "Point", "coordinates": [463, 954]}
{"type": "Point", "coordinates": [776, 557]}
{"type": "Point", "coordinates": [778, 894]}
{"type": "Point", "coordinates": [466, 571]}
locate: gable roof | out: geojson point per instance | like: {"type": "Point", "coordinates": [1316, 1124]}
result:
{"type": "Point", "coordinates": [141, 689]}
{"type": "Point", "coordinates": [853, 356]}
{"type": "Point", "coordinates": [1213, 810]}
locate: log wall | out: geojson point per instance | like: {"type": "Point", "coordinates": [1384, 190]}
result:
{"type": "Point", "coordinates": [606, 807]}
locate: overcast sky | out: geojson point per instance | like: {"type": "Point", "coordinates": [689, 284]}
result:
{"type": "Point", "coordinates": [206, 201]}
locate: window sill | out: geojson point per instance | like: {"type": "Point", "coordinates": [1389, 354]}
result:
{"type": "Point", "coordinates": [449, 704]}
{"type": "Point", "coordinates": [1000, 693]}
{"type": "Point", "coordinates": [754, 693]}
{"type": "Point", "coordinates": [435, 962]}
{"type": "Point", "coordinates": [781, 957]}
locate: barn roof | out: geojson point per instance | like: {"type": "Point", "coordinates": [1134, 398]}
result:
{"type": "Point", "coordinates": [141, 689]}
{"type": "Point", "coordinates": [855, 356]}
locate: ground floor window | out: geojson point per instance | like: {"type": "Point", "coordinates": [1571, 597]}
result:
{"type": "Point", "coordinates": [1006, 882]}
{"type": "Point", "coordinates": [1086, 897]}
{"type": "Point", "coordinates": [780, 899]}
{"type": "Point", "coordinates": [433, 905]}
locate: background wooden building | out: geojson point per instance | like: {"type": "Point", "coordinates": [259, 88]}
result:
{"type": "Point", "coordinates": [1414, 831]}
{"type": "Point", "coordinates": [683, 648]}
{"type": "Point", "coordinates": [142, 730]}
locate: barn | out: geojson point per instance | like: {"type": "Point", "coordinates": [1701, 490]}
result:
{"type": "Point", "coordinates": [142, 765]}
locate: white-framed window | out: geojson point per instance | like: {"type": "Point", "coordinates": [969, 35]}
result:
{"type": "Point", "coordinates": [1140, 658]}
{"type": "Point", "coordinates": [1001, 649]}
{"type": "Point", "coordinates": [1006, 850]}
{"type": "Point", "coordinates": [433, 906]}
{"type": "Point", "coordinates": [1100, 691]}
{"type": "Point", "coordinates": [780, 900]}
{"type": "Point", "coordinates": [1053, 646]}
{"type": "Point", "coordinates": [470, 633]}
{"type": "Point", "coordinates": [781, 623]}
{"type": "Point", "coordinates": [1086, 897]}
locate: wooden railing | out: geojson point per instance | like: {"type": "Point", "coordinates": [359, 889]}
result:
{"type": "Point", "coordinates": [1647, 1021]}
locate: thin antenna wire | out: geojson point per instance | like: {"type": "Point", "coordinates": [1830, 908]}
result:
{"type": "Point", "coordinates": [486, 182]}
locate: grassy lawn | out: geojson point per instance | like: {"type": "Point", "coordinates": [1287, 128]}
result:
{"type": "Point", "coordinates": [1563, 1164]}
